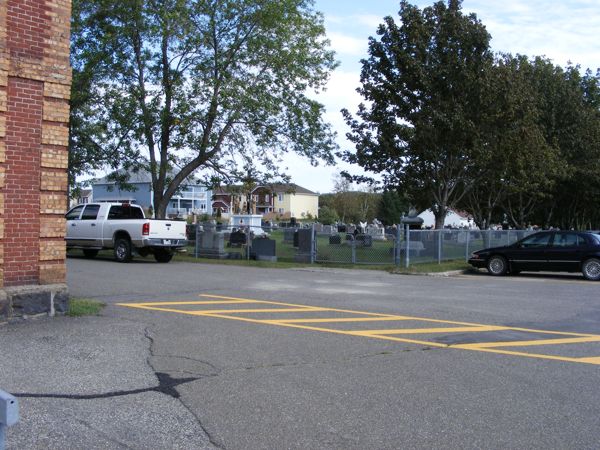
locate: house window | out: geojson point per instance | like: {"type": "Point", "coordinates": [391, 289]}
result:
{"type": "Point", "coordinates": [280, 210]}
{"type": "Point", "coordinates": [280, 198]}
{"type": "Point", "coordinates": [267, 198]}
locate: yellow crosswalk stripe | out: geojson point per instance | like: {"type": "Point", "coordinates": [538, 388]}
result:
{"type": "Point", "coordinates": [389, 334]}
{"type": "Point", "coordinates": [431, 330]}
{"type": "Point", "coordinates": [338, 320]}
{"type": "Point", "coordinates": [529, 343]}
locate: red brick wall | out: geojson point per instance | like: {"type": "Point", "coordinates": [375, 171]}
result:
{"type": "Point", "coordinates": [35, 80]}
{"type": "Point", "coordinates": [28, 24]}
{"type": "Point", "coordinates": [22, 182]}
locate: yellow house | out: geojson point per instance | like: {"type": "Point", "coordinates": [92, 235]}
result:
{"type": "Point", "coordinates": [295, 200]}
{"type": "Point", "coordinates": [273, 201]}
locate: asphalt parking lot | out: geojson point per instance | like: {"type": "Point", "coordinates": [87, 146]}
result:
{"type": "Point", "coordinates": [205, 356]}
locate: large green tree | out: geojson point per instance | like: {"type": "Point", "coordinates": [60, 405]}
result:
{"type": "Point", "coordinates": [420, 126]}
{"type": "Point", "coordinates": [173, 86]}
{"type": "Point", "coordinates": [571, 119]}
{"type": "Point", "coordinates": [516, 166]}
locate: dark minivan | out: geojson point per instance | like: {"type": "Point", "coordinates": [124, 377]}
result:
{"type": "Point", "coordinates": [552, 251]}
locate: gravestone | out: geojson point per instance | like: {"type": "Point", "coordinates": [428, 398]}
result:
{"type": "Point", "coordinates": [263, 249]}
{"type": "Point", "coordinates": [376, 233]}
{"type": "Point", "coordinates": [247, 221]}
{"type": "Point", "coordinates": [288, 235]}
{"type": "Point", "coordinates": [304, 253]}
{"type": "Point", "coordinates": [210, 243]}
{"type": "Point", "coordinates": [364, 240]}
{"type": "Point", "coordinates": [335, 239]}
{"type": "Point", "coordinates": [237, 238]}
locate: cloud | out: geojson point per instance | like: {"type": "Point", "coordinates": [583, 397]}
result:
{"type": "Point", "coordinates": [345, 44]}
{"type": "Point", "coordinates": [565, 31]}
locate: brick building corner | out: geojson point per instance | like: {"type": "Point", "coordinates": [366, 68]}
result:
{"type": "Point", "coordinates": [35, 80]}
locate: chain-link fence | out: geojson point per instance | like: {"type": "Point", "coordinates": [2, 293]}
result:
{"type": "Point", "coordinates": [389, 246]}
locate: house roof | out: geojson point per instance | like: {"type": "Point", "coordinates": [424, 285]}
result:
{"type": "Point", "coordinates": [140, 176]}
{"type": "Point", "coordinates": [276, 188]}
{"type": "Point", "coordinates": [291, 187]}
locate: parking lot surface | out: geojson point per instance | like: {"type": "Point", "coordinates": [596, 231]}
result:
{"type": "Point", "coordinates": [323, 358]}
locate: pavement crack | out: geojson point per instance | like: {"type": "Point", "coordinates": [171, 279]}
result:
{"type": "Point", "coordinates": [169, 387]}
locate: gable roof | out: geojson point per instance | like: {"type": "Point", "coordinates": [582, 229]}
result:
{"type": "Point", "coordinates": [139, 176]}
{"type": "Point", "coordinates": [276, 188]}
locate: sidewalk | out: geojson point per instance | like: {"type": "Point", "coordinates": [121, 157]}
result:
{"type": "Point", "coordinates": [88, 383]}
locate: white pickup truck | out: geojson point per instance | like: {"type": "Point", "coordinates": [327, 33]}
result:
{"type": "Point", "coordinates": [123, 228]}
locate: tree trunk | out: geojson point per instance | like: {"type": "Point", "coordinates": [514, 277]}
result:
{"type": "Point", "coordinates": [160, 205]}
{"type": "Point", "coordinates": [440, 217]}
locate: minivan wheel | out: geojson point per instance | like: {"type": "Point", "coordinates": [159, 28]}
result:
{"type": "Point", "coordinates": [497, 265]}
{"type": "Point", "coordinates": [591, 269]}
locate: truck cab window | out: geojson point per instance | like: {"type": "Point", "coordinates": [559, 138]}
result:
{"type": "Point", "coordinates": [90, 212]}
{"type": "Point", "coordinates": [74, 213]}
{"type": "Point", "coordinates": [118, 212]}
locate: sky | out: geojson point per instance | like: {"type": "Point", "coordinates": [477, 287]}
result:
{"type": "Point", "coordinates": [564, 31]}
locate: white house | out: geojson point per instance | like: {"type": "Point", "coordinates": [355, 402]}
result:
{"type": "Point", "coordinates": [454, 219]}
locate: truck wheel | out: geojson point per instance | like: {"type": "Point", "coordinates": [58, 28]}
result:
{"type": "Point", "coordinates": [163, 255]}
{"type": "Point", "coordinates": [123, 250]}
{"type": "Point", "coordinates": [90, 253]}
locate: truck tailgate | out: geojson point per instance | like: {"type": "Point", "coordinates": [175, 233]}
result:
{"type": "Point", "coordinates": [167, 229]}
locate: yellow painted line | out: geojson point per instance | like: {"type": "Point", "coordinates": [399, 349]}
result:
{"type": "Point", "coordinates": [300, 306]}
{"type": "Point", "coordinates": [201, 302]}
{"type": "Point", "coordinates": [595, 361]}
{"type": "Point", "coordinates": [528, 343]}
{"type": "Point", "coordinates": [178, 311]}
{"type": "Point", "coordinates": [384, 334]}
{"type": "Point", "coordinates": [211, 312]}
{"type": "Point", "coordinates": [421, 319]}
{"type": "Point", "coordinates": [431, 330]}
{"type": "Point", "coordinates": [326, 330]}
{"type": "Point", "coordinates": [338, 319]}
{"type": "Point", "coordinates": [560, 333]}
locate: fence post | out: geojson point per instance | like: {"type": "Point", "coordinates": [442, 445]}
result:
{"type": "Point", "coordinates": [353, 249]}
{"type": "Point", "coordinates": [313, 244]}
{"type": "Point", "coordinates": [248, 231]}
{"type": "Point", "coordinates": [467, 245]}
{"type": "Point", "coordinates": [197, 243]}
{"type": "Point", "coordinates": [398, 245]}
{"type": "Point", "coordinates": [407, 246]}
{"type": "Point", "coordinates": [440, 246]}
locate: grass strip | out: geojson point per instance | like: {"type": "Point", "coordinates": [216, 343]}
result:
{"type": "Point", "coordinates": [83, 307]}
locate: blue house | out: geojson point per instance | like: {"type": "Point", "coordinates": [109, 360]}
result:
{"type": "Point", "coordinates": [190, 198]}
